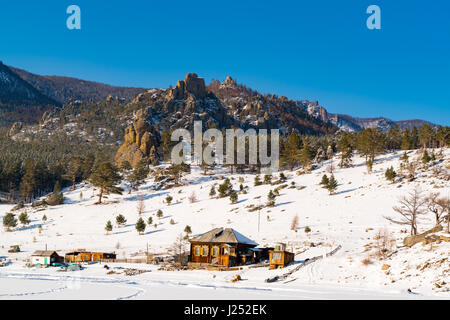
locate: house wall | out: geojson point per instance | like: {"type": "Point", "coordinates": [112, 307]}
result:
{"type": "Point", "coordinates": [39, 260]}
{"type": "Point", "coordinates": [232, 259]}
{"type": "Point", "coordinates": [89, 256]}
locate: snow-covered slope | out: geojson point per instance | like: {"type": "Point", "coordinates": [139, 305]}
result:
{"type": "Point", "coordinates": [351, 218]}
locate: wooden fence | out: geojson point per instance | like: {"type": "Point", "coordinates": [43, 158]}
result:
{"type": "Point", "coordinates": [307, 262]}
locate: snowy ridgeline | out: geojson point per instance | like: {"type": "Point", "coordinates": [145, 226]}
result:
{"type": "Point", "coordinates": [354, 218]}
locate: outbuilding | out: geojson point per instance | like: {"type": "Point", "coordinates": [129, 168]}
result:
{"type": "Point", "coordinates": [279, 256]}
{"type": "Point", "coordinates": [44, 257]}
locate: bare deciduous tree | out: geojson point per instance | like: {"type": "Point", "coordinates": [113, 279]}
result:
{"type": "Point", "coordinates": [385, 243]}
{"type": "Point", "coordinates": [438, 206]}
{"type": "Point", "coordinates": [410, 209]}
{"type": "Point", "coordinates": [193, 197]}
{"type": "Point", "coordinates": [411, 168]}
{"type": "Point", "coordinates": [140, 205]}
{"type": "Point", "coordinates": [179, 247]}
{"type": "Point", "coordinates": [294, 224]}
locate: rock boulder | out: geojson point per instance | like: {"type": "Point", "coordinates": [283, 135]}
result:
{"type": "Point", "coordinates": [139, 138]}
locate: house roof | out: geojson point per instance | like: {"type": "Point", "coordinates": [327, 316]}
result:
{"type": "Point", "coordinates": [223, 235]}
{"type": "Point", "coordinates": [43, 253]}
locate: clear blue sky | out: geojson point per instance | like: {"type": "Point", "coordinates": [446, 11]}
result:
{"type": "Point", "coordinates": [316, 50]}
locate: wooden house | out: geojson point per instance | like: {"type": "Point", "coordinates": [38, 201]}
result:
{"type": "Point", "coordinates": [279, 256]}
{"type": "Point", "coordinates": [222, 246]}
{"type": "Point", "coordinates": [87, 256]}
{"type": "Point", "coordinates": [44, 257]}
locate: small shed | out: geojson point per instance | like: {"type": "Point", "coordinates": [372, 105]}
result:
{"type": "Point", "coordinates": [222, 246]}
{"type": "Point", "coordinates": [44, 257]}
{"type": "Point", "coordinates": [279, 256]}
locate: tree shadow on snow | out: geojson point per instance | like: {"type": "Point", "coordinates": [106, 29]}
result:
{"type": "Point", "coordinates": [283, 203]}
{"type": "Point", "coordinates": [154, 231]}
{"type": "Point", "coordinates": [346, 191]}
{"type": "Point", "coordinates": [29, 227]}
{"type": "Point", "coordinates": [136, 197]}
{"type": "Point", "coordinates": [120, 232]}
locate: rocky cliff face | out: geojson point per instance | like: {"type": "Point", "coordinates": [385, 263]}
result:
{"type": "Point", "coordinates": [351, 124]}
{"type": "Point", "coordinates": [191, 86]}
{"type": "Point", "coordinates": [139, 139]}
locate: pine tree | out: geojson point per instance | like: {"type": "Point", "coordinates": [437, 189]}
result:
{"type": "Point", "coordinates": [271, 199]}
{"type": "Point", "coordinates": [169, 199]}
{"type": "Point", "coordinates": [290, 155]}
{"type": "Point", "coordinates": [120, 220]}
{"type": "Point", "coordinates": [56, 197]}
{"type": "Point", "coordinates": [390, 174]}
{"type": "Point", "coordinates": [57, 187]}
{"type": "Point", "coordinates": [426, 157]}
{"type": "Point", "coordinates": [87, 166]}
{"type": "Point", "coordinates": [28, 183]}
{"type": "Point", "coordinates": [9, 221]}
{"type": "Point", "coordinates": [176, 171]}
{"type": "Point", "coordinates": [282, 177]}
{"type": "Point", "coordinates": [108, 227]}
{"type": "Point", "coordinates": [138, 176]}
{"type": "Point", "coordinates": [370, 142]}
{"type": "Point", "coordinates": [106, 177]}
{"type": "Point", "coordinates": [212, 192]}
{"type": "Point", "coordinates": [150, 221]}
{"type": "Point", "coordinates": [140, 226]}
{"type": "Point", "coordinates": [154, 158]}
{"type": "Point", "coordinates": [267, 179]}
{"type": "Point", "coordinates": [257, 181]}
{"type": "Point", "coordinates": [125, 166]}
{"type": "Point", "coordinates": [24, 219]}
{"type": "Point", "coordinates": [332, 185]}
{"type": "Point", "coordinates": [74, 170]}
{"type": "Point", "coordinates": [159, 214]}
{"type": "Point", "coordinates": [426, 136]}
{"type": "Point", "coordinates": [233, 197]}
{"type": "Point", "coordinates": [345, 147]}
{"type": "Point", "coordinates": [188, 231]}
{"type": "Point", "coordinates": [225, 188]}
{"type": "Point", "coordinates": [407, 143]}
{"type": "Point", "coordinates": [325, 181]}
{"type": "Point", "coordinates": [394, 137]}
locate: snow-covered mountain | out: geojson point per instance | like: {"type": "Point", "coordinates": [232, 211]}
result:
{"type": "Point", "coordinates": [351, 124]}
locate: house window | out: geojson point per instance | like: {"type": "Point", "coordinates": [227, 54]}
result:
{"type": "Point", "coordinates": [205, 251]}
{"type": "Point", "coordinates": [196, 251]}
{"type": "Point", "coordinates": [276, 256]}
{"type": "Point", "coordinates": [215, 251]}
{"type": "Point", "coordinates": [226, 251]}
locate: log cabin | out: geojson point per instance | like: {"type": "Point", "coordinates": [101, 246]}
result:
{"type": "Point", "coordinates": [279, 256]}
{"type": "Point", "coordinates": [222, 246]}
{"type": "Point", "coordinates": [86, 256]}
